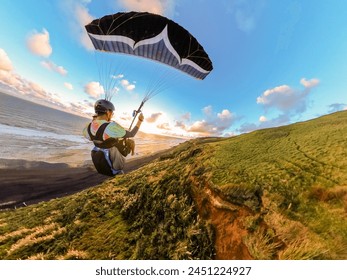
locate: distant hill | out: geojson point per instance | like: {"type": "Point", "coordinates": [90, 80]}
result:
{"type": "Point", "coordinates": [278, 193]}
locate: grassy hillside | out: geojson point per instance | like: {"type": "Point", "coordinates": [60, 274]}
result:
{"type": "Point", "coordinates": [277, 193]}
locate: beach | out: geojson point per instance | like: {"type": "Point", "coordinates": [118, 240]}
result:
{"type": "Point", "coordinates": [24, 183]}
{"type": "Point", "coordinates": [46, 158]}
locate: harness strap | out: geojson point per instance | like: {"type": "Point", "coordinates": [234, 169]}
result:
{"type": "Point", "coordinates": [99, 132]}
{"type": "Point", "coordinates": [98, 137]}
{"type": "Point", "coordinates": [106, 153]}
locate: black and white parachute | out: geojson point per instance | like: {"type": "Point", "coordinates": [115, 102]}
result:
{"type": "Point", "coordinates": [151, 36]}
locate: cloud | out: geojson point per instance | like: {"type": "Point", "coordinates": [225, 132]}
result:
{"type": "Point", "coordinates": [246, 13]}
{"type": "Point", "coordinates": [68, 86]}
{"type": "Point", "coordinates": [154, 117]}
{"type": "Point", "coordinates": [164, 126]}
{"type": "Point", "coordinates": [262, 119]}
{"type": "Point", "coordinates": [125, 116]}
{"type": "Point", "coordinates": [116, 77]}
{"type": "Point", "coordinates": [94, 89]}
{"type": "Point", "coordinates": [14, 84]}
{"type": "Point", "coordinates": [5, 62]}
{"type": "Point", "coordinates": [187, 116]}
{"type": "Point", "coordinates": [38, 43]}
{"type": "Point", "coordinates": [77, 16]}
{"type": "Point", "coordinates": [83, 18]}
{"type": "Point", "coordinates": [160, 7]}
{"type": "Point", "coordinates": [265, 123]}
{"type": "Point", "coordinates": [202, 127]}
{"type": "Point", "coordinates": [309, 83]}
{"type": "Point", "coordinates": [11, 79]}
{"type": "Point", "coordinates": [53, 67]}
{"type": "Point", "coordinates": [287, 99]}
{"type": "Point", "coordinates": [127, 85]}
{"type": "Point", "coordinates": [224, 115]}
{"type": "Point", "coordinates": [82, 107]}
{"type": "Point", "coordinates": [207, 110]}
{"type": "Point", "coordinates": [337, 107]}
{"type": "Point", "coordinates": [214, 124]}
{"type": "Point", "coordinates": [181, 124]}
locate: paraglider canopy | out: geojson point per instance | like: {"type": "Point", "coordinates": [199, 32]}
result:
{"type": "Point", "coordinates": [151, 36]}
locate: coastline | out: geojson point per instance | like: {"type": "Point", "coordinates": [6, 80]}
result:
{"type": "Point", "coordinates": [24, 183]}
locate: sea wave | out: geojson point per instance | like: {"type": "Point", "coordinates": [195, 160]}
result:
{"type": "Point", "coordinates": [34, 133]}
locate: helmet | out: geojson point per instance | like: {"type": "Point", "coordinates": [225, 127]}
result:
{"type": "Point", "coordinates": [103, 105]}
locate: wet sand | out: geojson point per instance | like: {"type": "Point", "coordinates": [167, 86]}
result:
{"type": "Point", "coordinates": [24, 183]}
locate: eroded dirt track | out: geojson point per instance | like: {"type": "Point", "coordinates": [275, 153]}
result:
{"type": "Point", "coordinates": [227, 221]}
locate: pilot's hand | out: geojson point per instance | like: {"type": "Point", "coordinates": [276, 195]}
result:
{"type": "Point", "coordinates": [141, 117]}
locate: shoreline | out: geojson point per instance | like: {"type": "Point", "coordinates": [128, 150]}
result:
{"type": "Point", "coordinates": [25, 183]}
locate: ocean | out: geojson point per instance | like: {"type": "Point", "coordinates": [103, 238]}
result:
{"type": "Point", "coordinates": [32, 132]}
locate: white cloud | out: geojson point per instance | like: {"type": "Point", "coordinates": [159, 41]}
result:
{"type": "Point", "coordinates": [83, 18]}
{"type": "Point", "coordinates": [225, 115]}
{"type": "Point", "coordinates": [183, 118]}
{"type": "Point", "coordinates": [309, 83]}
{"type": "Point", "coordinates": [214, 124]}
{"type": "Point", "coordinates": [19, 86]}
{"type": "Point", "coordinates": [94, 89]}
{"type": "Point", "coordinates": [160, 7]}
{"type": "Point", "coordinates": [202, 127]}
{"type": "Point", "coordinates": [68, 86]}
{"type": "Point", "coordinates": [116, 77]}
{"type": "Point", "coordinates": [126, 116]}
{"type": "Point", "coordinates": [53, 67]}
{"type": "Point", "coordinates": [77, 16]}
{"type": "Point", "coordinates": [181, 124]}
{"type": "Point", "coordinates": [287, 99]}
{"type": "Point", "coordinates": [207, 110]}
{"type": "Point", "coordinates": [277, 97]}
{"type": "Point", "coordinates": [14, 84]}
{"type": "Point", "coordinates": [127, 85]}
{"type": "Point", "coordinates": [154, 117]}
{"type": "Point", "coordinates": [82, 108]}
{"type": "Point", "coordinates": [262, 119]}
{"type": "Point", "coordinates": [11, 79]}
{"type": "Point", "coordinates": [38, 43]}
{"type": "Point", "coordinates": [187, 116]}
{"type": "Point", "coordinates": [282, 119]}
{"type": "Point", "coordinates": [130, 87]}
{"type": "Point", "coordinates": [164, 126]}
{"type": "Point", "coordinates": [5, 62]}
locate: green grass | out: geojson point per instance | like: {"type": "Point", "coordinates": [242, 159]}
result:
{"type": "Point", "coordinates": [292, 181]}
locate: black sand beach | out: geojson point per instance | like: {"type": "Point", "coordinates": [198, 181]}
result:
{"type": "Point", "coordinates": [23, 183]}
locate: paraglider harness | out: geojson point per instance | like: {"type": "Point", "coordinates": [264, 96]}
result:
{"type": "Point", "coordinates": [101, 151]}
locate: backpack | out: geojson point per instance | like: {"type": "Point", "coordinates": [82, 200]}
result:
{"type": "Point", "coordinates": [100, 153]}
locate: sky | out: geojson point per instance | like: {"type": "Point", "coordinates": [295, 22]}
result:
{"type": "Point", "coordinates": [275, 62]}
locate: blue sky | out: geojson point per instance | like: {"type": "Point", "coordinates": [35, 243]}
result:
{"type": "Point", "coordinates": [275, 62]}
